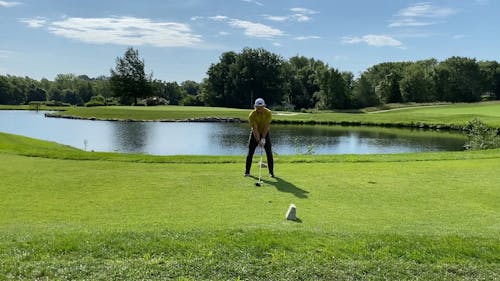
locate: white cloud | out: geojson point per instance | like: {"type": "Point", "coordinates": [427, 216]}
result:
{"type": "Point", "coordinates": [304, 11]}
{"type": "Point", "coordinates": [458, 36]}
{"type": "Point", "coordinates": [254, 2]}
{"type": "Point", "coordinates": [195, 18]}
{"type": "Point", "coordinates": [301, 38]}
{"type": "Point", "coordinates": [9, 4]}
{"type": "Point", "coordinates": [256, 29]}
{"type": "Point", "coordinates": [276, 44]}
{"type": "Point", "coordinates": [126, 31]}
{"type": "Point", "coordinates": [410, 22]}
{"type": "Point", "coordinates": [223, 33]}
{"type": "Point", "coordinates": [278, 18]}
{"type": "Point", "coordinates": [420, 13]}
{"type": "Point", "coordinates": [299, 15]}
{"type": "Point", "coordinates": [251, 29]}
{"type": "Point", "coordinates": [426, 9]}
{"type": "Point", "coordinates": [35, 23]}
{"type": "Point", "coordinates": [373, 40]}
{"type": "Point", "coordinates": [219, 18]}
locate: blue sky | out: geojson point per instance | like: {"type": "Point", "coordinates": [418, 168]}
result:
{"type": "Point", "coordinates": [178, 40]}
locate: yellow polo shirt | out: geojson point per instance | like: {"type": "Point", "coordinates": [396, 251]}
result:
{"type": "Point", "coordinates": [260, 119]}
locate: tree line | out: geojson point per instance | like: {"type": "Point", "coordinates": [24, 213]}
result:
{"type": "Point", "coordinates": [294, 84]}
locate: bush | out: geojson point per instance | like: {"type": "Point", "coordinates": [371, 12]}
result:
{"type": "Point", "coordinates": [35, 105]}
{"type": "Point", "coordinates": [56, 103]}
{"type": "Point", "coordinates": [480, 136]}
{"type": "Point", "coordinates": [98, 100]}
{"type": "Point", "coordinates": [152, 101]}
{"type": "Point", "coordinates": [191, 100]}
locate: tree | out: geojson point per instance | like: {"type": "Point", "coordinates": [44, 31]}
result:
{"type": "Point", "coordinates": [458, 80]}
{"type": "Point", "coordinates": [490, 74]}
{"type": "Point", "coordinates": [417, 84]}
{"type": "Point", "coordinates": [301, 76]}
{"type": "Point", "coordinates": [363, 94]}
{"type": "Point", "coordinates": [262, 76]}
{"type": "Point", "coordinates": [192, 92]}
{"type": "Point", "coordinates": [333, 93]}
{"type": "Point", "coordinates": [218, 87]}
{"type": "Point", "coordinates": [5, 90]}
{"type": "Point", "coordinates": [240, 78]}
{"type": "Point", "coordinates": [83, 88]}
{"type": "Point", "coordinates": [19, 89]}
{"type": "Point", "coordinates": [128, 79]}
{"type": "Point", "coordinates": [173, 93]}
{"type": "Point", "coordinates": [101, 86]}
{"type": "Point", "coordinates": [191, 87]}
{"type": "Point", "coordinates": [71, 97]}
{"type": "Point", "coordinates": [36, 94]}
{"type": "Point", "coordinates": [384, 79]}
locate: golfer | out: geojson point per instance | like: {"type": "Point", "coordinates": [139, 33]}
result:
{"type": "Point", "coordinates": [260, 121]}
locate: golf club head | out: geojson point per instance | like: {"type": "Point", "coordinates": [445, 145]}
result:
{"type": "Point", "coordinates": [258, 183]}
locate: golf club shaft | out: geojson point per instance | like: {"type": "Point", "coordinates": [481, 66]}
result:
{"type": "Point", "coordinates": [260, 163]}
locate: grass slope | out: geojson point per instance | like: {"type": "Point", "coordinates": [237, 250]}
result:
{"type": "Point", "coordinates": [449, 115]}
{"type": "Point", "coordinates": [67, 214]}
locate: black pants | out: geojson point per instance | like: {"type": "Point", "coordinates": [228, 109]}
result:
{"type": "Point", "coordinates": [252, 145]}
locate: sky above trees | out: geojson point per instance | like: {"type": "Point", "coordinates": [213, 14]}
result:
{"type": "Point", "coordinates": [179, 40]}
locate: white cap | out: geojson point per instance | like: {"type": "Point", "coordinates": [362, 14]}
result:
{"type": "Point", "coordinates": [260, 102]}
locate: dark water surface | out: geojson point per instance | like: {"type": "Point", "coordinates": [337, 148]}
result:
{"type": "Point", "coordinates": [178, 138]}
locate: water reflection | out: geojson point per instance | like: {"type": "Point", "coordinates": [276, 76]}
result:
{"type": "Point", "coordinates": [163, 138]}
{"type": "Point", "coordinates": [364, 140]}
{"type": "Point", "coordinates": [130, 136]}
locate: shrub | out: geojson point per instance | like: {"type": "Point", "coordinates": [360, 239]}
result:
{"type": "Point", "coordinates": [191, 100]}
{"type": "Point", "coordinates": [98, 100]}
{"type": "Point", "coordinates": [56, 103]}
{"type": "Point", "coordinates": [153, 101]}
{"type": "Point", "coordinates": [480, 136]}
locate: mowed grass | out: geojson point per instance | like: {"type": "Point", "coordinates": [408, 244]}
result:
{"type": "Point", "coordinates": [67, 214]}
{"type": "Point", "coordinates": [154, 112]}
{"type": "Point", "coordinates": [436, 115]}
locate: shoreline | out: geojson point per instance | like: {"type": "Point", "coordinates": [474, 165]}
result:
{"type": "Point", "coordinates": [410, 125]}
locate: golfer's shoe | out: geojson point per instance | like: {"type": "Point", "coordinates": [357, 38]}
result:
{"type": "Point", "coordinates": [246, 174]}
{"type": "Point", "coordinates": [271, 175]}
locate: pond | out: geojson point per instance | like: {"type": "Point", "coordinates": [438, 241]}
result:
{"type": "Point", "coordinates": [180, 138]}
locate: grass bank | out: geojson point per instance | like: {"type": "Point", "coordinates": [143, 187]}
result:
{"type": "Point", "coordinates": [448, 116]}
{"type": "Point", "coordinates": [67, 214]}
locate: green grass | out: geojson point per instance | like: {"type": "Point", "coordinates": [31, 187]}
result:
{"type": "Point", "coordinates": [67, 214]}
{"type": "Point", "coordinates": [153, 112]}
{"type": "Point", "coordinates": [445, 116]}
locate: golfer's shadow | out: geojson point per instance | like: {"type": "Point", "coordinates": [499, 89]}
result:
{"type": "Point", "coordinates": [285, 186]}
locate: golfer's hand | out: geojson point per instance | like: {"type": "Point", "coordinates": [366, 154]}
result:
{"type": "Point", "coordinates": [262, 142]}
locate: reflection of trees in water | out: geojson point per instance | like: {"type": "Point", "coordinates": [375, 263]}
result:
{"type": "Point", "coordinates": [328, 136]}
{"type": "Point", "coordinates": [229, 134]}
{"type": "Point", "coordinates": [232, 138]}
{"type": "Point", "coordinates": [299, 138]}
{"type": "Point", "coordinates": [130, 136]}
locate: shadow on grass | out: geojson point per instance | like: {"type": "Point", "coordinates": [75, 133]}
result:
{"type": "Point", "coordinates": [285, 186]}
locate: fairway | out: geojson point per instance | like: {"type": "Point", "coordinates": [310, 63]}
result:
{"type": "Point", "coordinates": [431, 197]}
{"type": "Point", "coordinates": [107, 217]}
{"type": "Point", "coordinates": [443, 116]}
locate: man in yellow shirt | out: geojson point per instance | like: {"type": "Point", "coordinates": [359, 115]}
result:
{"type": "Point", "coordinates": [260, 121]}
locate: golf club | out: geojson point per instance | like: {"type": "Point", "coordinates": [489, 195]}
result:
{"type": "Point", "coordinates": [259, 183]}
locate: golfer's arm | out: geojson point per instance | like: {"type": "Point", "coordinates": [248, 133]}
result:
{"type": "Point", "coordinates": [256, 133]}
{"type": "Point", "coordinates": [266, 130]}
